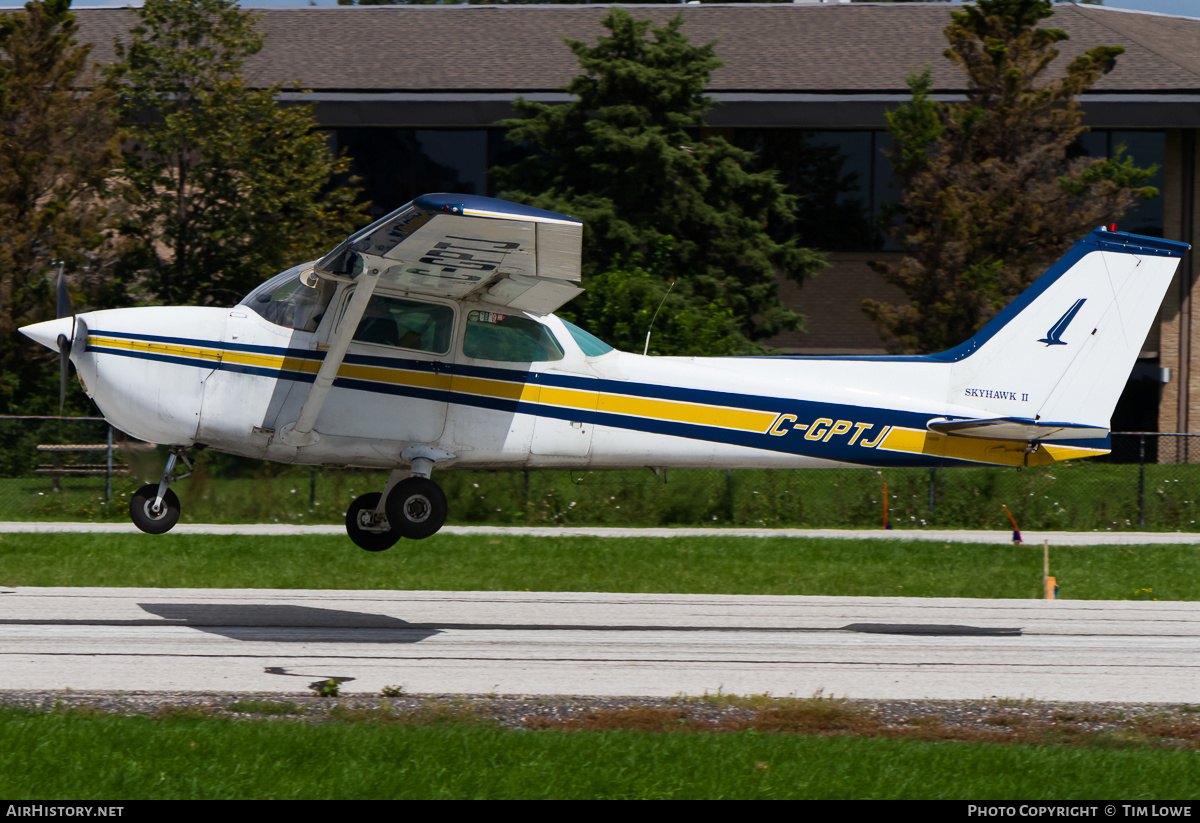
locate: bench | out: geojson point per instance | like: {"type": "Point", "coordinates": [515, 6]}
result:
{"type": "Point", "coordinates": [58, 469]}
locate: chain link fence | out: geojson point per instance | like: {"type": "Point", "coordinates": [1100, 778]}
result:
{"type": "Point", "coordinates": [79, 469]}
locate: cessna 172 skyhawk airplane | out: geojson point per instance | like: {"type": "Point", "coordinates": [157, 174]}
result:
{"type": "Point", "coordinates": [428, 340]}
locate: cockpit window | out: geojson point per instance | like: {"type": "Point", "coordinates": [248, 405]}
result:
{"type": "Point", "coordinates": [407, 324]}
{"type": "Point", "coordinates": [296, 299]}
{"type": "Point", "coordinates": [509, 337]}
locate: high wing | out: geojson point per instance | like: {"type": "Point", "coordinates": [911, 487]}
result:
{"type": "Point", "coordinates": [466, 246]}
{"type": "Point", "coordinates": [447, 245]}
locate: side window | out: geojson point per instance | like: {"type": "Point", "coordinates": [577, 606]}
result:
{"type": "Point", "coordinates": [406, 324]}
{"type": "Point", "coordinates": [509, 337]}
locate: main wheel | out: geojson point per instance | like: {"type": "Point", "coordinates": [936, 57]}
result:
{"type": "Point", "coordinates": [416, 507]}
{"type": "Point", "coordinates": [141, 510]}
{"type": "Point", "coordinates": [363, 528]}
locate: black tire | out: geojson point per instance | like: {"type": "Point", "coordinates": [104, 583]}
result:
{"type": "Point", "coordinates": [416, 507]}
{"type": "Point", "coordinates": [142, 514]}
{"type": "Point", "coordinates": [372, 541]}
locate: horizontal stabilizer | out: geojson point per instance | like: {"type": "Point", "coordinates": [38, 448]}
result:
{"type": "Point", "coordinates": [1014, 428]}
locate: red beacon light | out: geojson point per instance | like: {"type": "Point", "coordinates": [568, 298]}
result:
{"type": "Point", "coordinates": [1112, 227]}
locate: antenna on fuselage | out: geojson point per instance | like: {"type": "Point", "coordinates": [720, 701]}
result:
{"type": "Point", "coordinates": [655, 317]}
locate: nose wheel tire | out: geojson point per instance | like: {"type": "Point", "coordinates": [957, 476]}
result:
{"type": "Point", "coordinates": [416, 507]}
{"type": "Point", "coordinates": [364, 530]}
{"type": "Point", "coordinates": [141, 510]}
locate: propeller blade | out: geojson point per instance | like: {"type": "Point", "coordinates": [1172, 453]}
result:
{"type": "Point", "coordinates": [64, 342]}
{"type": "Point", "coordinates": [64, 299]}
{"type": "Point", "coordinates": [64, 359]}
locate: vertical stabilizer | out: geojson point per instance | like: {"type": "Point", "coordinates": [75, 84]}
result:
{"type": "Point", "coordinates": [1063, 350]}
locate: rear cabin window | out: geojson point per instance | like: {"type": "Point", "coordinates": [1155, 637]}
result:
{"type": "Point", "coordinates": [406, 324]}
{"type": "Point", "coordinates": [509, 337]}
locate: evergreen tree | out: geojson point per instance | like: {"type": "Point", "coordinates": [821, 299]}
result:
{"type": "Point", "coordinates": [226, 185]}
{"type": "Point", "coordinates": [58, 146]}
{"type": "Point", "coordinates": [991, 194]}
{"type": "Point", "coordinates": [630, 157]}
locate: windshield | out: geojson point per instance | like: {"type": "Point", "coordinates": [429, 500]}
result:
{"type": "Point", "coordinates": [296, 298]}
{"type": "Point", "coordinates": [592, 345]}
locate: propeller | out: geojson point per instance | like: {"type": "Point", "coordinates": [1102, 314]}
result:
{"type": "Point", "coordinates": [64, 342]}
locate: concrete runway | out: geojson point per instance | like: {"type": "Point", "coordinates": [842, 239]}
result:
{"type": "Point", "coordinates": [189, 640]}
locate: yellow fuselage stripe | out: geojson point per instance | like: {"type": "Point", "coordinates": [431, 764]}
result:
{"type": "Point", "coordinates": [681, 412]}
{"type": "Point", "coordinates": [897, 439]}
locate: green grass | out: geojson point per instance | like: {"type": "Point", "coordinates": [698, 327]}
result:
{"type": "Point", "coordinates": [97, 757]}
{"type": "Point", "coordinates": [1079, 496]}
{"type": "Point", "coordinates": [703, 565]}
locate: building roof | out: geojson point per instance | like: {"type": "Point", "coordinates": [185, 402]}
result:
{"type": "Point", "coordinates": [778, 54]}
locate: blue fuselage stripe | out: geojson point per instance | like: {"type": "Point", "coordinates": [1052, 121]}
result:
{"type": "Point", "coordinates": [794, 442]}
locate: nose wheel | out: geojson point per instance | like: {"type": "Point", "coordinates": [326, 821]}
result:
{"type": "Point", "coordinates": [152, 515]}
{"type": "Point", "coordinates": [154, 508]}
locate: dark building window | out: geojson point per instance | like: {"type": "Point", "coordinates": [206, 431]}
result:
{"type": "Point", "coordinates": [1146, 148]}
{"type": "Point", "coordinates": [397, 165]}
{"type": "Point", "coordinates": [843, 178]}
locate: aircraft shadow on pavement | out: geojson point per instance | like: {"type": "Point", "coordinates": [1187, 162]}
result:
{"type": "Point", "coordinates": [285, 623]}
{"type": "Point", "coordinates": [930, 629]}
{"type": "Point", "coordinates": [305, 623]}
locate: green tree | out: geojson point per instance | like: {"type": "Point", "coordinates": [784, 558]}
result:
{"type": "Point", "coordinates": [625, 300]}
{"type": "Point", "coordinates": [991, 193]}
{"type": "Point", "coordinates": [226, 185]}
{"type": "Point", "coordinates": [630, 157]}
{"type": "Point", "coordinates": [58, 146]}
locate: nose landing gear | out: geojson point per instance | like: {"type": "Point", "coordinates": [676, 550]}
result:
{"type": "Point", "coordinates": [155, 508]}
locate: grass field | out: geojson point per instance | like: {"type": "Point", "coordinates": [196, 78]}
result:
{"type": "Point", "coordinates": [705, 565]}
{"type": "Point", "coordinates": [1080, 496]}
{"type": "Point", "coordinates": [201, 754]}
{"type": "Point", "coordinates": [85, 756]}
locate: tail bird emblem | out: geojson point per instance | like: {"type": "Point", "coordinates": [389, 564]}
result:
{"type": "Point", "coordinates": [1054, 335]}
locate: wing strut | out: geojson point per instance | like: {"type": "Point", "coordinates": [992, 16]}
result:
{"type": "Point", "coordinates": [301, 432]}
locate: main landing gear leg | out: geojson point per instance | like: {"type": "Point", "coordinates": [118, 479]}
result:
{"type": "Point", "coordinates": [367, 521]}
{"type": "Point", "coordinates": [416, 506]}
{"type": "Point", "coordinates": [154, 508]}
{"type": "Point", "coordinates": [411, 506]}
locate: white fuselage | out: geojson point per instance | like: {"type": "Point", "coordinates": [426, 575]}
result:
{"type": "Point", "coordinates": [232, 380]}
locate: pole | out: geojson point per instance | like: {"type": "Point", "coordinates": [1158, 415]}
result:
{"type": "Point", "coordinates": [1141, 481]}
{"type": "Point", "coordinates": [886, 524]}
